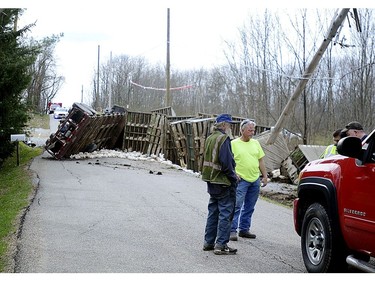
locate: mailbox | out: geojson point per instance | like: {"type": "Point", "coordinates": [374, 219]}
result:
{"type": "Point", "coordinates": [18, 137]}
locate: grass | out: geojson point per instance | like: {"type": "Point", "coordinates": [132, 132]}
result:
{"type": "Point", "coordinates": [16, 189]}
{"type": "Point", "coordinates": [38, 121]}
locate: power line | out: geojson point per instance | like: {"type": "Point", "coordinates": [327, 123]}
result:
{"type": "Point", "coordinates": [300, 77]}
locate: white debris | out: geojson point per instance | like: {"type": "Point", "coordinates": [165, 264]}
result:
{"type": "Point", "coordinates": [137, 156]}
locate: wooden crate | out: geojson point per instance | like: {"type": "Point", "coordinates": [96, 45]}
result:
{"type": "Point", "coordinates": [156, 134]}
{"type": "Point", "coordinates": [135, 131]}
{"type": "Point", "coordinates": [180, 118]}
{"type": "Point", "coordinates": [171, 151]}
{"type": "Point", "coordinates": [189, 138]}
{"type": "Point", "coordinates": [299, 158]}
{"type": "Point", "coordinates": [165, 110]}
{"type": "Point", "coordinates": [196, 133]}
{"type": "Point", "coordinates": [116, 130]}
{"type": "Point", "coordinates": [107, 130]}
{"type": "Point", "coordinates": [179, 139]}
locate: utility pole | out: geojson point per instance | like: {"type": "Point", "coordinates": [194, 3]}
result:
{"type": "Point", "coordinates": [307, 74]}
{"type": "Point", "coordinates": [110, 82]}
{"type": "Point", "coordinates": [97, 81]}
{"type": "Point", "coordinates": [168, 68]}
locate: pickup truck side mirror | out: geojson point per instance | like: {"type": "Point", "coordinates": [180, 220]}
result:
{"type": "Point", "coordinates": [351, 147]}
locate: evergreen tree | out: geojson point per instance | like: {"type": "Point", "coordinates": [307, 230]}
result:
{"type": "Point", "coordinates": [16, 56]}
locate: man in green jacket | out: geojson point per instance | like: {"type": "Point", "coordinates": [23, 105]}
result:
{"type": "Point", "coordinates": [219, 173]}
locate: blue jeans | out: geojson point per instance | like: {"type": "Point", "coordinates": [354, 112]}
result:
{"type": "Point", "coordinates": [246, 198]}
{"type": "Point", "coordinates": [219, 219]}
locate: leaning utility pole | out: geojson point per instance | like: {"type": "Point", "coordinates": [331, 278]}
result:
{"type": "Point", "coordinates": [307, 74]}
{"type": "Point", "coordinates": [168, 68]}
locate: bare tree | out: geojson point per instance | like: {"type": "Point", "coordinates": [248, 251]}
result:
{"type": "Point", "coordinates": [364, 59]}
{"type": "Point", "coordinates": [263, 68]}
{"type": "Point", "coordinates": [45, 81]}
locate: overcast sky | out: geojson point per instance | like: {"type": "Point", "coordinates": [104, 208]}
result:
{"type": "Point", "coordinates": [198, 29]}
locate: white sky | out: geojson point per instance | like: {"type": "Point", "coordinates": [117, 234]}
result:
{"type": "Point", "coordinates": [138, 27]}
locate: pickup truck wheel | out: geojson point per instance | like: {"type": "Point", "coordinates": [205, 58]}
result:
{"type": "Point", "coordinates": [319, 252]}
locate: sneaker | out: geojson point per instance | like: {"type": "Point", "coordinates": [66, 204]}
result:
{"type": "Point", "coordinates": [247, 234]}
{"type": "Point", "coordinates": [233, 236]}
{"type": "Point", "coordinates": [208, 247]}
{"type": "Point", "coordinates": [224, 250]}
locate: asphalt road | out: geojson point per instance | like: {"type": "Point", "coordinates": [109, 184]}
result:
{"type": "Point", "coordinates": [114, 215]}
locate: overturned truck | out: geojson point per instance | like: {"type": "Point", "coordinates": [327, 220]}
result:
{"type": "Point", "coordinates": [83, 130]}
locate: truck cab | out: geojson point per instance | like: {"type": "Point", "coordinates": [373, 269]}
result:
{"type": "Point", "coordinates": [52, 106]}
{"type": "Point", "coordinates": [334, 212]}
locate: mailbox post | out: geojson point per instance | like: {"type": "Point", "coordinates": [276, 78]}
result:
{"type": "Point", "coordinates": [17, 138]}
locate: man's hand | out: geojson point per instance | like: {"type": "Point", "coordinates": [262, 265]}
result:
{"type": "Point", "coordinates": [264, 181]}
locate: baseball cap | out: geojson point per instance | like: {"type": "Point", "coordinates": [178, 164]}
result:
{"type": "Point", "coordinates": [224, 118]}
{"type": "Point", "coordinates": [353, 126]}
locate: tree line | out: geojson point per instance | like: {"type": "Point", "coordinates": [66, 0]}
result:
{"type": "Point", "coordinates": [263, 66]}
{"type": "Point", "coordinates": [28, 78]}
{"type": "Point", "coordinates": [16, 57]}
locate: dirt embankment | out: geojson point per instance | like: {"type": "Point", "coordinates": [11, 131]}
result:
{"type": "Point", "coordinates": [282, 193]}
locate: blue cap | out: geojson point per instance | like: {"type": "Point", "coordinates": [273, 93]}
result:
{"type": "Point", "coordinates": [224, 118]}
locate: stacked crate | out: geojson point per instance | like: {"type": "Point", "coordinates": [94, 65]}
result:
{"type": "Point", "coordinates": [196, 133]}
{"type": "Point", "coordinates": [179, 139]}
{"type": "Point", "coordinates": [156, 134]}
{"type": "Point", "coordinates": [177, 129]}
{"type": "Point", "coordinates": [174, 145]}
{"type": "Point", "coordinates": [189, 137]}
{"type": "Point", "coordinates": [105, 130]}
{"type": "Point", "coordinates": [135, 131]}
{"type": "Point", "coordinates": [168, 111]}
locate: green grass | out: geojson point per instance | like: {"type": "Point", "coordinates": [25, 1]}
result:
{"type": "Point", "coordinates": [15, 191]}
{"type": "Point", "coordinates": [38, 121]}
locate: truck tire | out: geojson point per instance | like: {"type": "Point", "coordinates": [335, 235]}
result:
{"type": "Point", "coordinates": [319, 251]}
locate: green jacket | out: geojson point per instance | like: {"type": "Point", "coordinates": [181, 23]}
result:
{"type": "Point", "coordinates": [212, 170]}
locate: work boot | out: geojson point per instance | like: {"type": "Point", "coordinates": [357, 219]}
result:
{"type": "Point", "coordinates": [247, 234]}
{"type": "Point", "coordinates": [208, 247]}
{"type": "Point", "coordinates": [233, 236]}
{"type": "Point", "coordinates": [224, 250]}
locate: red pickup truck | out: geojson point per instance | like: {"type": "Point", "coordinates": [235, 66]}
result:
{"type": "Point", "coordinates": [334, 212]}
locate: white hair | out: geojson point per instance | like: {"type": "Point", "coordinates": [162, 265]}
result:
{"type": "Point", "coordinates": [246, 122]}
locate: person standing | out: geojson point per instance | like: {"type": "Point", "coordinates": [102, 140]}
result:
{"type": "Point", "coordinates": [331, 149]}
{"type": "Point", "coordinates": [219, 172]}
{"type": "Point", "coordinates": [249, 159]}
{"type": "Point", "coordinates": [355, 129]}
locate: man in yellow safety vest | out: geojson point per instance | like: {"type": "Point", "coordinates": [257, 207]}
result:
{"type": "Point", "coordinates": [331, 149]}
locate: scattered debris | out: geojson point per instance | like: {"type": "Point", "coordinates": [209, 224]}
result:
{"type": "Point", "coordinates": [299, 158]}
{"type": "Point", "coordinates": [155, 134]}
